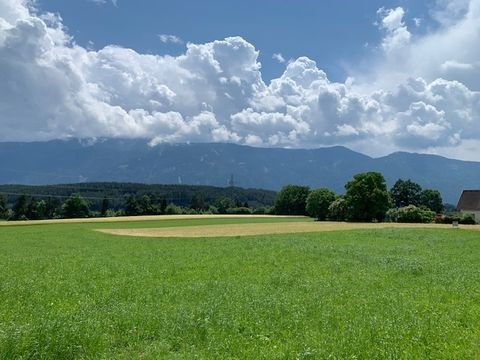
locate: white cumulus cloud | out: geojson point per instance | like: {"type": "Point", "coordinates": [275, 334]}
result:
{"type": "Point", "coordinates": [397, 34]}
{"type": "Point", "coordinates": [421, 93]}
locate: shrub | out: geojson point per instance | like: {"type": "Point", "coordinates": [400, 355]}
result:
{"type": "Point", "coordinates": [173, 209]}
{"type": "Point", "coordinates": [112, 213]}
{"type": "Point", "coordinates": [465, 219]}
{"type": "Point", "coordinates": [411, 214]}
{"type": "Point", "coordinates": [392, 215]}
{"type": "Point", "coordinates": [468, 219]}
{"type": "Point", "coordinates": [211, 210]}
{"type": "Point", "coordinates": [338, 210]}
{"type": "Point", "coordinates": [260, 211]}
{"type": "Point", "coordinates": [9, 215]}
{"type": "Point", "coordinates": [239, 211]}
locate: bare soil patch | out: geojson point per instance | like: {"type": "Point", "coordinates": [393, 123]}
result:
{"type": "Point", "coordinates": [264, 228]}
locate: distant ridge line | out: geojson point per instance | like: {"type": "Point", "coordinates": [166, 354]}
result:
{"type": "Point", "coordinates": [212, 164]}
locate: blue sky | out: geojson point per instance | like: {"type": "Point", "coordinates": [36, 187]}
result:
{"type": "Point", "coordinates": [333, 33]}
{"type": "Point", "coordinates": [376, 76]}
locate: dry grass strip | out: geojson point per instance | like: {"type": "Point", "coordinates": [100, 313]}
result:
{"type": "Point", "coordinates": [265, 228]}
{"type": "Point", "coordinates": [138, 218]}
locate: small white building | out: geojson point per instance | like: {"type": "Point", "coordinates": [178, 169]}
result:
{"type": "Point", "coordinates": [469, 203]}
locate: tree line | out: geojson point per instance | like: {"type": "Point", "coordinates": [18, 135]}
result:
{"type": "Point", "coordinates": [216, 201]}
{"type": "Point", "coordinates": [368, 199]}
{"type": "Point", "coordinates": [117, 192]}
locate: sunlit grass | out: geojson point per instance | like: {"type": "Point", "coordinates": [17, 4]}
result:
{"type": "Point", "coordinates": [69, 292]}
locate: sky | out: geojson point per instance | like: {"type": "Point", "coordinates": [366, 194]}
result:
{"type": "Point", "coordinates": [375, 76]}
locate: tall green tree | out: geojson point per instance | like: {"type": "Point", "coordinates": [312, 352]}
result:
{"type": "Point", "coordinates": [20, 209]}
{"type": "Point", "coordinates": [198, 202]}
{"type": "Point", "coordinates": [105, 206]}
{"type": "Point", "coordinates": [53, 208]}
{"type": "Point", "coordinates": [131, 206]}
{"type": "Point", "coordinates": [32, 209]}
{"type": "Point", "coordinates": [3, 207]}
{"type": "Point", "coordinates": [318, 202]}
{"type": "Point", "coordinates": [367, 197]}
{"type": "Point", "coordinates": [163, 205]}
{"type": "Point", "coordinates": [36, 209]}
{"type": "Point", "coordinates": [146, 205]}
{"type": "Point", "coordinates": [41, 209]}
{"type": "Point", "coordinates": [432, 199]}
{"type": "Point", "coordinates": [404, 193]}
{"type": "Point", "coordinates": [75, 207]}
{"type": "Point", "coordinates": [223, 204]}
{"type": "Point", "coordinates": [292, 200]}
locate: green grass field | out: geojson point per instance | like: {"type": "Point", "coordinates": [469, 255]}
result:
{"type": "Point", "coordinates": [69, 292]}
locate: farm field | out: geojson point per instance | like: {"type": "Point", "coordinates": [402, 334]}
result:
{"type": "Point", "coordinates": [69, 291]}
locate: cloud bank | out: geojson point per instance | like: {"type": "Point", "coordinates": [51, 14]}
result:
{"type": "Point", "coordinates": [421, 93]}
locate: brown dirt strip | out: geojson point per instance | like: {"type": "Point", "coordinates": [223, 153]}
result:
{"type": "Point", "coordinates": [139, 218]}
{"type": "Point", "coordinates": [265, 228]}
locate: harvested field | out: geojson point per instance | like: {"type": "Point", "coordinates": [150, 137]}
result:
{"type": "Point", "coordinates": [265, 228]}
{"type": "Point", "coordinates": [123, 219]}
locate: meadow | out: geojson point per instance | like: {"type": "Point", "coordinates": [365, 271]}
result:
{"type": "Point", "coordinates": [68, 291]}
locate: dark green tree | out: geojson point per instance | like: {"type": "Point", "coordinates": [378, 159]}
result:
{"type": "Point", "coordinates": [20, 209]}
{"type": "Point", "coordinates": [197, 203]}
{"type": "Point", "coordinates": [223, 204]}
{"type": "Point", "coordinates": [163, 206]}
{"type": "Point", "coordinates": [146, 206]}
{"type": "Point", "coordinates": [36, 209]}
{"type": "Point", "coordinates": [3, 207]}
{"type": "Point", "coordinates": [404, 193]}
{"type": "Point", "coordinates": [53, 208]}
{"type": "Point", "coordinates": [292, 200]}
{"type": "Point", "coordinates": [105, 206]}
{"type": "Point", "coordinates": [32, 209]}
{"type": "Point", "coordinates": [75, 207]}
{"type": "Point", "coordinates": [131, 206]}
{"type": "Point", "coordinates": [367, 197]}
{"type": "Point", "coordinates": [432, 199]}
{"type": "Point", "coordinates": [41, 209]}
{"type": "Point", "coordinates": [318, 202]}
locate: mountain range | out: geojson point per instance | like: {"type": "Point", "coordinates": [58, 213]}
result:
{"type": "Point", "coordinates": [217, 164]}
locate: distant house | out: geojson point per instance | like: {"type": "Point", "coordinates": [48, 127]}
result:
{"type": "Point", "coordinates": [469, 203]}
